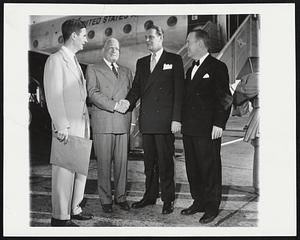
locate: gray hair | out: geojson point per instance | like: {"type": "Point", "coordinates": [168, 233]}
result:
{"type": "Point", "coordinates": [109, 40]}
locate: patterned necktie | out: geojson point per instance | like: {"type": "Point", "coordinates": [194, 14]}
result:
{"type": "Point", "coordinates": [153, 62]}
{"type": "Point", "coordinates": [114, 70]}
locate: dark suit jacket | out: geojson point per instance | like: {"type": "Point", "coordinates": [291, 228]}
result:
{"type": "Point", "coordinates": [161, 92]}
{"type": "Point", "coordinates": [104, 90]}
{"type": "Point", "coordinates": [208, 100]}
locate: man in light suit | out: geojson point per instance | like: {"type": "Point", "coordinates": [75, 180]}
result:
{"type": "Point", "coordinates": [65, 93]}
{"type": "Point", "coordinates": [158, 83]}
{"type": "Point", "coordinates": [206, 108]}
{"type": "Point", "coordinates": [107, 83]}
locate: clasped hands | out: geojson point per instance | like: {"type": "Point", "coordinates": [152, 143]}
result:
{"type": "Point", "coordinates": [122, 106]}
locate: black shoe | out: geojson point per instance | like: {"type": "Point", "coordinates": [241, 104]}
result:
{"type": "Point", "coordinates": [168, 207]}
{"type": "Point", "coordinates": [208, 217]}
{"type": "Point", "coordinates": [82, 216]}
{"type": "Point", "coordinates": [107, 208]}
{"type": "Point", "coordinates": [62, 223]}
{"type": "Point", "coordinates": [123, 205]}
{"type": "Point", "coordinates": [192, 210]}
{"type": "Point", "coordinates": [143, 203]}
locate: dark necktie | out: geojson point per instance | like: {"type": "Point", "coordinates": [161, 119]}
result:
{"type": "Point", "coordinates": [196, 63]}
{"type": "Point", "coordinates": [114, 70]}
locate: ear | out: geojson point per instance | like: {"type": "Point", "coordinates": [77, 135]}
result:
{"type": "Point", "coordinates": [201, 43]}
{"type": "Point", "coordinates": [73, 35]}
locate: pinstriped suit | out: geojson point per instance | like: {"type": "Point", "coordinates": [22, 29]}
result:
{"type": "Point", "coordinates": [110, 128]}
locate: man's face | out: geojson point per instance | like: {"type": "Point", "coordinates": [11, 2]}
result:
{"type": "Point", "coordinates": [193, 45]}
{"type": "Point", "coordinates": [112, 51]}
{"type": "Point", "coordinates": [80, 39]}
{"type": "Point", "coordinates": [153, 40]}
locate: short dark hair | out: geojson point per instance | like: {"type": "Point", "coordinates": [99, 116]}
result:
{"type": "Point", "coordinates": [158, 29]}
{"type": "Point", "coordinates": [70, 26]}
{"type": "Point", "coordinates": [201, 34]}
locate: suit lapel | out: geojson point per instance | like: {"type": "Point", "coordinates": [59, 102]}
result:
{"type": "Point", "coordinates": [71, 66]}
{"type": "Point", "coordinates": [107, 72]}
{"type": "Point", "coordinates": [120, 81]}
{"type": "Point", "coordinates": [78, 75]}
{"type": "Point", "coordinates": [156, 71]}
{"type": "Point", "coordinates": [201, 71]}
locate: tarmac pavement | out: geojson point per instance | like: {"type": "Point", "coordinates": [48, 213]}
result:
{"type": "Point", "coordinates": [239, 201]}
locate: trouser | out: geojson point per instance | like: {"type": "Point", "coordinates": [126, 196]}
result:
{"type": "Point", "coordinates": [203, 166]}
{"type": "Point", "coordinates": [159, 166]}
{"type": "Point", "coordinates": [111, 148]}
{"type": "Point", "coordinates": [67, 192]}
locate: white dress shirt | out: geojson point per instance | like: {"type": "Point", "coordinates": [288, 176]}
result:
{"type": "Point", "coordinates": [158, 55]}
{"type": "Point", "coordinates": [109, 64]}
{"type": "Point", "coordinates": [201, 60]}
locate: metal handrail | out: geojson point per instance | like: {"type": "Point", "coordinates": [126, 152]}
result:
{"type": "Point", "coordinates": [233, 37]}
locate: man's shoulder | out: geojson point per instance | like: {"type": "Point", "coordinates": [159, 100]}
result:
{"type": "Point", "coordinates": [124, 68]}
{"type": "Point", "coordinates": [215, 60]}
{"type": "Point", "coordinates": [144, 58]}
{"type": "Point", "coordinates": [174, 56]}
{"type": "Point", "coordinates": [96, 65]}
{"type": "Point", "coordinates": [56, 55]}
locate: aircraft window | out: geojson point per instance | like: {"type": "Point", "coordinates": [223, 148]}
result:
{"type": "Point", "coordinates": [127, 28]}
{"type": "Point", "coordinates": [60, 39]}
{"type": "Point", "coordinates": [172, 21]}
{"type": "Point", "coordinates": [148, 24]}
{"type": "Point", "coordinates": [108, 31]}
{"type": "Point", "coordinates": [91, 34]}
{"type": "Point", "coordinates": [35, 43]}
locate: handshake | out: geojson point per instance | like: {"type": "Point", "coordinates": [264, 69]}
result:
{"type": "Point", "coordinates": [122, 106]}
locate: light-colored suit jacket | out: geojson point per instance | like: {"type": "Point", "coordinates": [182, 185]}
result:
{"type": "Point", "coordinates": [65, 91]}
{"type": "Point", "coordinates": [104, 91]}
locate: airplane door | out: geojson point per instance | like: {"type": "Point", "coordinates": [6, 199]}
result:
{"type": "Point", "coordinates": [199, 20]}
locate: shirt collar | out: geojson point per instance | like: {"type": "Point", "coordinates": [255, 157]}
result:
{"type": "Point", "coordinates": [158, 54]}
{"type": "Point", "coordinates": [68, 52]}
{"type": "Point", "coordinates": [109, 64]}
{"type": "Point", "coordinates": [201, 60]}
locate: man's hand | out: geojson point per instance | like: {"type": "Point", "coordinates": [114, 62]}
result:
{"type": "Point", "coordinates": [63, 135]}
{"type": "Point", "coordinates": [122, 106]}
{"type": "Point", "coordinates": [175, 126]}
{"type": "Point", "coordinates": [216, 132]}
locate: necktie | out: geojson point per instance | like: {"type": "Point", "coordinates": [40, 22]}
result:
{"type": "Point", "coordinates": [194, 69]}
{"type": "Point", "coordinates": [114, 70]}
{"type": "Point", "coordinates": [153, 62]}
{"type": "Point", "coordinates": [196, 63]}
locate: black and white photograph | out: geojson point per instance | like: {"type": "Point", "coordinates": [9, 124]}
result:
{"type": "Point", "coordinates": [149, 120]}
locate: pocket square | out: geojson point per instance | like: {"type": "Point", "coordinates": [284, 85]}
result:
{"type": "Point", "coordinates": [167, 66]}
{"type": "Point", "coordinates": [206, 75]}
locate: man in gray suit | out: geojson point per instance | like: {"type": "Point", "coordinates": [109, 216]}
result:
{"type": "Point", "coordinates": [108, 83]}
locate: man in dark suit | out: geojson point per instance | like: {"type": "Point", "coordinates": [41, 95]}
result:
{"type": "Point", "coordinates": [107, 83]}
{"type": "Point", "coordinates": [158, 83]}
{"type": "Point", "coordinates": [206, 105]}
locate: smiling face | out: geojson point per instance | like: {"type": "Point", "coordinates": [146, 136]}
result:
{"type": "Point", "coordinates": [153, 40]}
{"type": "Point", "coordinates": [111, 50]}
{"type": "Point", "coordinates": [80, 39]}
